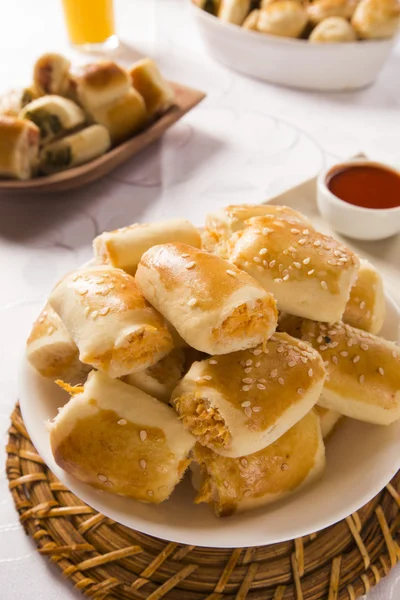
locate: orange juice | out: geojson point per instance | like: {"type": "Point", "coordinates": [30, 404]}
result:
{"type": "Point", "coordinates": [89, 21]}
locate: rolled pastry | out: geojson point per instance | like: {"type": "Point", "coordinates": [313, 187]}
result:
{"type": "Point", "coordinates": [123, 248]}
{"type": "Point", "coordinates": [19, 148]}
{"type": "Point", "coordinates": [51, 350]}
{"type": "Point", "coordinates": [239, 403]}
{"type": "Point", "coordinates": [51, 74]}
{"type": "Point", "coordinates": [310, 274]}
{"type": "Point", "coordinates": [215, 307]}
{"type": "Point", "coordinates": [123, 117]}
{"type": "Point", "coordinates": [322, 9]}
{"type": "Point", "coordinates": [328, 419]}
{"type": "Point", "coordinates": [156, 92]}
{"type": "Point", "coordinates": [234, 11]}
{"type": "Point", "coordinates": [13, 101]}
{"type": "Point", "coordinates": [363, 379]}
{"type": "Point", "coordinates": [366, 307]}
{"type": "Point", "coordinates": [117, 438]}
{"type": "Point", "coordinates": [161, 379]}
{"type": "Point", "coordinates": [222, 224]}
{"type": "Point", "coordinates": [100, 84]}
{"type": "Point", "coordinates": [53, 115]}
{"type": "Point", "coordinates": [75, 149]}
{"type": "Point", "coordinates": [232, 485]}
{"type": "Point", "coordinates": [376, 18]}
{"type": "Point", "coordinates": [285, 18]}
{"type": "Point", "coordinates": [114, 327]}
{"type": "Point", "coordinates": [333, 30]}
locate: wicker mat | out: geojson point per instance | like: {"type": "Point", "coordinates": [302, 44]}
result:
{"type": "Point", "coordinates": [106, 560]}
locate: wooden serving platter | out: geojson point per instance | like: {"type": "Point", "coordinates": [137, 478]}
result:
{"type": "Point", "coordinates": [186, 98]}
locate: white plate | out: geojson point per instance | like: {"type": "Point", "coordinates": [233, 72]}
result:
{"type": "Point", "coordinates": [293, 62]}
{"type": "Point", "coordinates": [361, 460]}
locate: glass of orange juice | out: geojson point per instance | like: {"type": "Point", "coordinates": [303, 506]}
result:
{"type": "Point", "coordinates": [90, 24]}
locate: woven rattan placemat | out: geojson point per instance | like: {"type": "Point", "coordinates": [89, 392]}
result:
{"type": "Point", "coordinates": [107, 560]}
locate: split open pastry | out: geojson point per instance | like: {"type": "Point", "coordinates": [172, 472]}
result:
{"type": "Point", "coordinates": [215, 307]}
{"type": "Point", "coordinates": [240, 403]}
{"type": "Point", "coordinates": [123, 248]}
{"type": "Point", "coordinates": [51, 350]}
{"type": "Point", "coordinates": [232, 485]}
{"type": "Point", "coordinates": [328, 419]}
{"type": "Point", "coordinates": [114, 327]}
{"type": "Point", "coordinates": [376, 18]}
{"type": "Point", "coordinates": [309, 274]}
{"type": "Point", "coordinates": [19, 148]}
{"type": "Point", "coordinates": [156, 92]}
{"type": "Point", "coordinates": [318, 10]}
{"type": "Point", "coordinates": [363, 379]}
{"type": "Point", "coordinates": [75, 149]}
{"type": "Point", "coordinates": [51, 74]}
{"type": "Point", "coordinates": [367, 306]}
{"type": "Point", "coordinates": [54, 116]}
{"type": "Point", "coordinates": [333, 30]}
{"type": "Point", "coordinates": [161, 379]}
{"type": "Point", "coordinates": [222, 224]}
{"type": "Point", "coordinates": [285, 18]}
{"type": "Point", "coordinates": [117, 438]}
{"type": "Point", "coordinates": [234, 11]}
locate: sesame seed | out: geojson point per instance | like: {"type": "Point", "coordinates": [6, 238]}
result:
{"type": "Point", "coordinates": [280, 268]}
{"type": "Point", "coordinates": [143, 435]}
{"type": "Point", "coordinates": [258, 363]}
{"type": "Point", "coordinates": [246, 388]}
{"type": "Point", "coordinates": [248, 370]}
{"type": "Point", "coordinates": [272, 264]}
{"type": "Point", "coordinates": [306, 261]}
{"type": "Point", "coordinates": [362, 305]}
{"type": "Point", "coordinates": [256, 409]}
{"type": "Point", "coordinates": [356, 359]}
{"type": "Point", "coordinates": [274, 373]}
{"type": "Point", "coordinates": [123, 286]}
{"type": "Point", "coordinates": [122, 422]}
{"type": "Point", "coordinates": [292, 363]}
{"type": "Point", "coordinates": [364, 346]}
{"type": "Point", "coordinates": [249, 362]}
{"type": "Point", "coordinates": [104, 311]}
{"type": "Point", "coordinates": [260, 386]}
{"type": "Point", "coordinates": [310, 372]}
{"type": "Point", "coordinates": [142, 464]}
{"type": "Point", "coordinates": [361, 379]}
{"type": "Point", "coordinates": [285, 252]}
{"type": "Point", "coordinates": [191, 265]}
{"type": "Point", "coordinates": [317, 243]}
{"type": "Point", "coordinates": [247, 493]}
{"type": "Point", "coordinates": [300, 391]}
{"type": "Point", "coordinates": [297, 265]}
{"type": "Point", "coordinates": [320, 339]}
{"type": "Point", "coordinates": [95, 313]}
{"type": "Point", "coordinates": [324, 285]}
{"type": "Point", "coordinates": [110, 286]}
{"type": "Point", "coordinates": [207, 377]}
{"type": "Point", "coordinates": [284, 467]}
{"type": "Point", "coordinates": [231, 273]}
{"type": "Point", "coordinates": [247, 380]}
{"type": "Point", "coordinates": [212, 361]}
{"type": "Point", "coordinates": [246, 403]}
{"type": "Point", "coordinates": [281, 381]}
{"type": "Point", "coordinates": [286, 278]}
{"type": "Point", "coordinates": [50, 330]}
{"type": "Point", "coordinates": [263, 251]}
{"type": "Point", "coordinates": [102, 477]}
{"type": "Point", "coordinates": [344, 353]}
{"type": "Point", "coordinates": [266, 230]}
{"type": "Point", "coordinates": [323, 347]}
{"type": "Point", "coordinates": [185, 255]}
{"type": "Point", "coordinates": [310, 272]}
{"type": "Point", "coordinates": [226, 483]}
{"type": "Point", "coordinates": [350, 343]}
{"type": "Point", "coordinates": [248, 411]}
{"type": "Point", "coordinates": [257, 352]}
{"type": "Point", "coordinates": [294, 230]}
{"type": "Point", "coordinates": [302, 242]}
{"type": "Point", "coordinates": [192, 302]}
{"type": "Point", "coordinates": [265, 263]}
{"type": "Point", "coordinates": [262, 380]}
{"type": "Point", "coordinates": [335, 360]}
{"type": "Point", "coordinates": [381, 371]}
{"type": "Point", "coordinates": [244, 462]}
{"type": "Point", "coordinates": [277, 280]}
{"type": "Point", "coordinates": [280, 349]}
{"type": "Point", "coordinates": [105, 292]}
{"type": "Point", "coordinates": [150, 492]}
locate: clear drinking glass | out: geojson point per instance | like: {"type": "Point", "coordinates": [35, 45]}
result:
{"type": "Point", "coordinates": [90, 24]}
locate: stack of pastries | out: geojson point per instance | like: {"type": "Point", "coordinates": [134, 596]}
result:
{"type": "Point", "coordinates": [319, 21]}
{"type": "Point", "coordinates": [68, 117]}
{"type": "Point", "coordinates": [174, 355]}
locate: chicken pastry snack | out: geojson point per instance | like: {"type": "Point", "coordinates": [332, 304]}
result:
{"type": "Point", "coordinates": [310, 274]}
{"type": "Point", "coordinates": [215, 307]}
{"type": "Point", "coordinates": [239, 403]}
{"type": "Point", "coordinates": [151, 85]}
{"type": "Point", "coordinates": [114, 327]}
{"type": "Point", "coordinates": [232, 485]}
{"type": "Point", "coordinates": [119, 439]}
{"type": "Point", "coordinates": [19, 147]}
{"type": "Point", "coordinates": [366, 306]}
{"type": "Point", "coordinates": [53, 115]}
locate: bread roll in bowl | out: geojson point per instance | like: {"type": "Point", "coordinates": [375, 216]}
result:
{"type": "Point", "coordinates": [309, 274]}
{"type": "Point", "coordinates": [232, 485]}
{"type": "Point", "coordinates": [240, 403]}
{"type": "Point", "coordinates": [366, 307]}
{"type": "Point", "coordinates": [376, 19]}
{"type": "Point", "coordinates": [114, 327]}
{"type": "Point", "coordinates": [51, 350]}
{"type": "Point", "coordinates": [333, 30]}
{"type": "Point", "coordinates": [118, 439]}
{"type": "Point", "coordinates": [284, 18]}
{"type": "Point", "coordinates": [214, 306]}
{"type": "Point", "coordinates": [319, 10]}
{"type": "Point", "coordinates": [123, 248]}
{"type": "Point", "coordinates": [19, 148]}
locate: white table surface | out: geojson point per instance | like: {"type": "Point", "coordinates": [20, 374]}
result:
{"type": "Point", "coordinates": [246, 142]}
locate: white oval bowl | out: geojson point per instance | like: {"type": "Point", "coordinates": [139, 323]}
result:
{"type": "Point", "coordinates": [361, 460]}
{"type": "Point", "coordinates": [355, 221]}
{"type": "Point", "coordinates": [293, 62]}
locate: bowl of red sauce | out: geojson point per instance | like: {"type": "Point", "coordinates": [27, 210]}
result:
{"type": "Point", "coordinates": [361, 199]}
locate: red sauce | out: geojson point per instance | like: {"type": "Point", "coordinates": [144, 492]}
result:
{"type": "Point", "coordinates": [369, 186]}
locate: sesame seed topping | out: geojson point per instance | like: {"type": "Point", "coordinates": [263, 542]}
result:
{"type": "Point", "coordinates": [122, 422]}
{"type": "Point", "coordinates": [274, 373]}
{"type": "Point", "coordinates": [192, 302]}
{"type": "Point", "coordinates": [362, 305]}
{"type": "Point", "coordinates": [246, 388]}
{"type": "Point", "coordinates": [344, 353]}
{"type": "Point", "coordinates": [381, 371]}
{"type": "Point", "coordinates": [257, 352]}
{"type": "Point", "coordinates": [185, 255]}
{"type": "Point", "coordinates": [324, 285]}
{"type": "Point", "coordinates": [246, 403]}
{"type": "Point", "coordinates": [95, 313]}
{"type": "Point", "coordinates": [260, 386]}
{"type": "Point", "coordinates": [310, 272]}
{"type": "Point", "coordinates": [230, 272]}
{"type": "Point", "coordinates": [191, 265]}
{"type": "Point", "coordinates": [280, 349]}
{"type": "Point", "coordinates": [320, 339]}
{"type": "Point", "coordinates": [335, 360]}
{"type": "Point", "coordinates": [297, 265]}
{"type": "Point", "coordinates": [256, 409]}
{"type": "Point", "coordinates": [262, 380]}
{"type": "Point", "coordinates": [207, 377]}
{"type": "Point", "coordinates": [292, 363]}
{"type": "Point", "coordinates": [300, 391]}
{"type": "Point", "coordinates": [248, 411]}
{"type": "Point", "coordinates": [323, 347]}
{"type": "Point", "coordinates": [258, 363]}
{"type": "Point", "coordinates": [272, 264]}
{"type": "Point", "coordinates": [50, 330]}
{"type": "Point", "coordinates": [361, 379]}
{"type": "Point", "coordinates": [263, 251]}
{"type": "Point", "coordinates": [278, 280]}
{"type": "Point", "coordinates": [150, 492]}
{"type": "Point", "coordinates": [286, 278]}
{"type": "Point", "coordinates": [142, 463]}
{"type": "Point", "coordinates": [356, 359]}
{"type": "Point", "coordinates": [212, 361]}
{"type": "Point", "coordinates": [226, 483]}
{"type": "Point", "coordinates": [317, 243]}
{"type": "Point", "coordinates": [294, 230]}
{"type": "Point", "coordinates": [143, 435]}
{"type": "Point", "coordinates": [104, 311]}
{"type": "Point", "coordinates": [266, 230]}
{"type": "Point", "coordinates": [249, 362]}
{"type": "Point", "coordinates": [123, 286]}
{"type": "Point", "coordinates": [247, 380]}
{"type": "Point", "coordinates": [248, 369]}
{"type": "Point", "coordinates": [305, 232]}
{"type": "Point", "coordinates": [284, 466]}
{"type": "Point", "coordinates": [102, 477]}
{"type": "Point", "coordinates": [281, 381]}
{"type": "Point", "coordinates": [301, 242]}
{"type": "Point", "coordinates": [244, 462]}
{"type": "Point", "coordinates": [310, 372]}
{"type": "Point", "coordinates": [364, 346]}
{"type": "Point", "coordinates": [306, 261]}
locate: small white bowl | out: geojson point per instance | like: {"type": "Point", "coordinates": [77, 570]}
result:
{"type": "Point", "coordinates": [293, 62]}
{"type": "Point", "coordinates": [354, 221]}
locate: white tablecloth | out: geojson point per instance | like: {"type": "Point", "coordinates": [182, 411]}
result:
{"type": "Point", "coordinates": [247, 141]}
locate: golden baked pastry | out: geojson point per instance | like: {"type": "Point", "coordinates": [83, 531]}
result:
{"type": "Point", "coordinates": [318, 10]}
{"type": "Point", "coordinates": [54, 116]}
{"type": "Point", "coordinates": [366, 307]}
{"type": "Point", "coordinates": [123, 117]}
{"type": "Point", "coordinates": [156, 92]}
{"type": "Point", "coordinates": [19, 148]}
{"type": "Point", "coordinates": [376, 19]}
{"type": "Point", "coordinates": [51, 74]}
{"type": "Point", "coordinates": [285, 18]}
{"type": "Point", "coordinates": [114, 327]}
{"type": "Point", "coordinates": [239, 403]}
{"type": "Point", "coordinates": [333, 30]}
{"type": "Point", "coordinates": [118, 439]}
{"type": "Point", "coordinates": [234, 11]}
{"type": "Point", "coordinates": [214, 306]}
{"type": "Point", "coordinates": [251, 20]}
{"type": "Point", "coordinates": [100, 84]}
